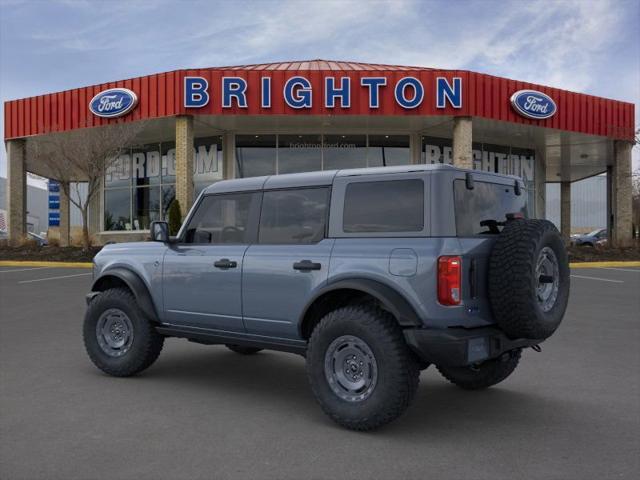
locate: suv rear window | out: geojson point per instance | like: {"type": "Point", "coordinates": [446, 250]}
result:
{"type": "Point", "coordinates": [487, 201]}
{"type": "Point", "coordinates": [384, 206]}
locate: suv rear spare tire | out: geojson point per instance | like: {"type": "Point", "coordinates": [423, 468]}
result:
{"type": "Point", "coordinates": [529, 279]}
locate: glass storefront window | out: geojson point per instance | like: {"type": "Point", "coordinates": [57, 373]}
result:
{"type": "Point", "coordinates": [118, 174]}
{"type": "Point", "coordinates": [207, 163]}
{"type": "Point", "coordinates": [255, 155]}
{"type": "Point", "coordinates": [299, 153]}
{"type": "Point", "coordinates": [146, 207]}
{"type": "Point", "coordinates": [145, 165]}
{"type": "Point", "coordinates": [388, 150]}
{"type": "Point", "coordinates": [168, 162]}
{"type": "Point", "coordinates": [117, 209]}
{"type": "Point", "coordinates": [344, 151]}
{"type": "Point", "coordinates": [168, 195]}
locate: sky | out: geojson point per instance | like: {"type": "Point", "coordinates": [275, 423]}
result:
{"type": "Point", "coordinates": [589, 46]}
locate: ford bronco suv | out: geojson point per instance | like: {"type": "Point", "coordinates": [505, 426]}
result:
{"type": "Point", "coordinates": [371, 274]}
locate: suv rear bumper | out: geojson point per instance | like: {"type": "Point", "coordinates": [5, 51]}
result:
{"type": "Point", "coordinates": [456, 347]}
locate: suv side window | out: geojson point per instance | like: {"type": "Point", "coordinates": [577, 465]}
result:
{"type": "Point", "coordinates": [384, 206]}
{"type": "Point", "coordinates": [223, 219]}
{"type": "Point", "coordinates": [293, 216]}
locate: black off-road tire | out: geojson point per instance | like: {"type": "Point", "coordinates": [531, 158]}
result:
{"type": "Point", "coordinates": [397, 367]}
{"type": "Point", "coordinates": [513, 281]}
{"type": "Point", "coordinates": [146, 342]}
{"type": "Point", "coordinates": [484, 375]}
{"type": "Point", "coordinates": [242, 349]}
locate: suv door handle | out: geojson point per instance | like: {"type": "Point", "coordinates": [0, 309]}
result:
{"type": "Point", "coordinates": [306, 265]}
{"type": "Point", "coordinates": [225, 263]}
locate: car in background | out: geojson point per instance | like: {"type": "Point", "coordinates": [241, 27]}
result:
{"type": "Point", "coordinates": [596, 238]}
{"type": "Point", "coordinates": [39, 239]}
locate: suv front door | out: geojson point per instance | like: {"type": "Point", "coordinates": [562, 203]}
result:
{"type": "Point", "coordinates": [290, 260]}
{"type": "Point", "coordinates": [202, 273]}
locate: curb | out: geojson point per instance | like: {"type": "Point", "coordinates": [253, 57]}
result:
{"type": "Point", "coordinates": [604, 264]}
{"type": "Point", "coordinates": [28, 263]}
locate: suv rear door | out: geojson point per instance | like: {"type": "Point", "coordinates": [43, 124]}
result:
{"type": "Point", "coordinates": [202, 273]}
{"type": "Point", "coordinates": [290, 260]}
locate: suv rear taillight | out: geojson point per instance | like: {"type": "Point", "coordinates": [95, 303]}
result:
{"type": "Point", "coordinates": [449, 280]}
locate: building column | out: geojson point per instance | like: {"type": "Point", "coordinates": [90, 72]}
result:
{"type": "Point", "coordinates": [65, 215]}
{"type": "Point", "coordinates": [415, 143]}
{"type": "Point", "coordinates": [16, 191]}
{"type": "Point", "coordinates": [462, 142]}
{"type": "Point", "coordinates": [228, 156]}
{"type": "Point", "coordinates": [540, 182]}
{"type": "Point", "coordinates": [565, 211]}
{"type": "Point", "coordinates": [184, 162]}
{"type": "Point", "coordinates": [621, 233]}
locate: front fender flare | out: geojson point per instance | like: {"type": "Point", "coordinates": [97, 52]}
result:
{"type": "Point", "coordinates": [135, 284]}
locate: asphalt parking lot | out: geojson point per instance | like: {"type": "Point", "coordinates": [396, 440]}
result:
{"type": "Point", "coordinates": [572, 411]}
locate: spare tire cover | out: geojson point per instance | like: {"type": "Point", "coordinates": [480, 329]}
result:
{"type": "Point", "coordinates": [529, 279]}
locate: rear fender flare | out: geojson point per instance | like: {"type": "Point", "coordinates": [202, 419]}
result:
{"type": "Point", "coordinates": [392, 301]}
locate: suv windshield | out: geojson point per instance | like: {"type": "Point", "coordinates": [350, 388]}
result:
{"type": "Point", "coordinates": [486, 202]}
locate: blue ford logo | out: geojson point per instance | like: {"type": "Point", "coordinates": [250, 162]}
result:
{"type": "Point", "coordinates": [114, 102]}
{"type": "Point", "coordinates": [533, 104]}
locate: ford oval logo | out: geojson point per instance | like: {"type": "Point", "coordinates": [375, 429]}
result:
{"type": "Point", "coordinates": [533, 104]}
{"type": "Point", "coordinates": [114, 102]}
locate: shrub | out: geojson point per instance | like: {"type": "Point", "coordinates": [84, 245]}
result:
{"type": "Point", "coordinates": [175, 217]}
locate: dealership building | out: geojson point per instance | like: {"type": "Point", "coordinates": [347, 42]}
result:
{"type": "Point", "coordinates": [201, 126]}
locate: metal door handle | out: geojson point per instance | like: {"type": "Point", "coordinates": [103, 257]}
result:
{"type": "Point", "coordinates": [306, 265]}
{"type": "Point", "coordinates": [225, 263]}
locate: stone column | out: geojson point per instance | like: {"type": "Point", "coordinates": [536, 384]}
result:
{"type": "Point", "coordinates": [565, 211]}
{"type": "Point", "coordinates": [184, 162]}
{"type": "Point", "coordinates": [621, 188]}
{"type": "Point", "coordinates": [65, 216]}
{"type": "Point", "coordinates": [16, 191]}
{"type": "Point", "coordinates": [462, 142]}
{"type": "Point", "coordinates": [228, 156]}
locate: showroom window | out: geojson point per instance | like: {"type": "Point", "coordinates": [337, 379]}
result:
{"type": "Point", "coordinates": [299, 153]}
{"type": "Point", "coordinates": [255, 155]}
{"type": "Point", "coordinates": [258, 155]}
{"type": "Point", "coordinates": [140, 184]}
{"type": "Point", "coordinates": [388, 150]}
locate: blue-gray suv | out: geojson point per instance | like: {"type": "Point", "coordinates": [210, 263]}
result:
{"type": "Point", "coordinates": [371, 274]}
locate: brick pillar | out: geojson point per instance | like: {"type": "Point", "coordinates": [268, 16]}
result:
{"type": "Point", "coordinates": [565, 211]}
{"type": "Point", "coordinates": [65, 216]}
{"type": "Point", "coordinates": [16, 191]}
{"type": "Point", "coordinates": [621, 188]}
{"type": "Point", "coordinates": [184, 162]}
{"type": "Point", "coordinates": [462, 142]}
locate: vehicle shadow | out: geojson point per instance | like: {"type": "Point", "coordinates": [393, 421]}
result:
{"type": "Point", "coordinates": [279, 380]}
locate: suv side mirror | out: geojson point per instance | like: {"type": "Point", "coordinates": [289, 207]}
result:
{"type": "Point", "coordinates": [159, 232]}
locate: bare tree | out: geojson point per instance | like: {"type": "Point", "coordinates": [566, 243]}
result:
{"type": "Point", "coordinates": [82, 156]}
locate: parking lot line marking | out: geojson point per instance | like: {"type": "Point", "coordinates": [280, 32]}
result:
{"type": "Point", "coordinates": [621, 269]}
{"type": "Point", "coordinates": [55, 278]}
{"type": "Point", "coordinates": [598, 278]}
{"type": "Point", "coordinates": [23, 269]}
